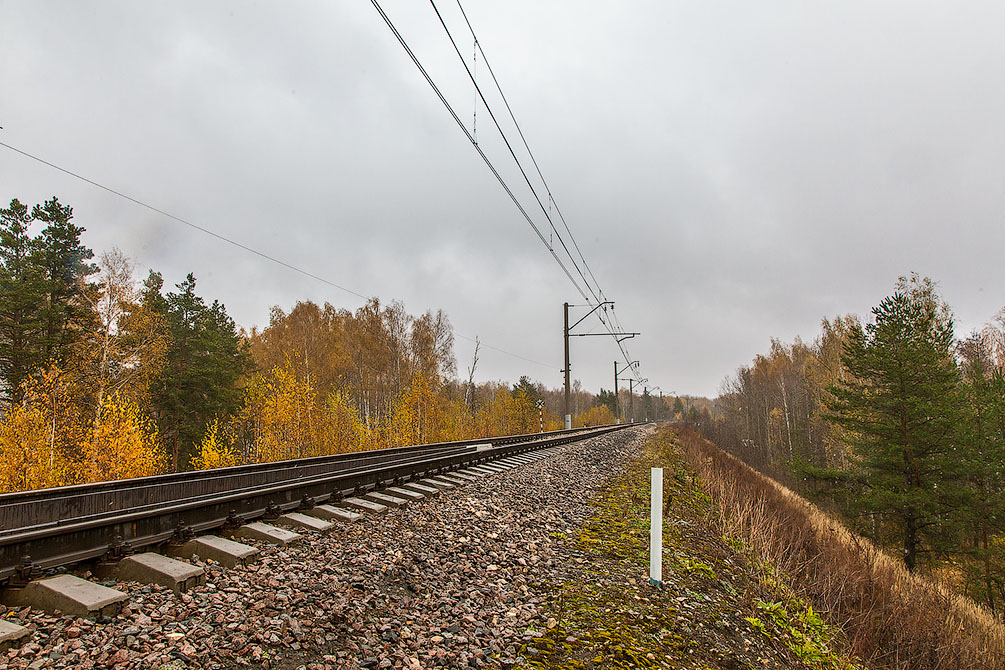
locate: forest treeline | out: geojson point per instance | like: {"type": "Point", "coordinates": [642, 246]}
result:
{"type": "Point", "coordinates": [895, 423]}
{"type": "Point", "coordinates": [106, 375]}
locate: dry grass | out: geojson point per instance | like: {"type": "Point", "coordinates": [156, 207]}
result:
{"type": "Point", "coordinates": [891, 619]}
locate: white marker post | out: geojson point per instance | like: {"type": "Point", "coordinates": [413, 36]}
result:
{"type": "Point", "coordinates": [656, 528]}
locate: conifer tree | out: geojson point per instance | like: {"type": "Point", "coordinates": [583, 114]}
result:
{"type": "Point", "coordinates": [204, 361]}
{"type": "Point", "coordinates": [898, 411]}
{"type": "Point", "coordinates": [63, 263]}
{"type": "Point", "coordinates": [981, 434]}
{"type": "Point", "coordinates": [21, 292]}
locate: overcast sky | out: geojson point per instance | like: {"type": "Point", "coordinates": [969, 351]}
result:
{"type": "Point", "coordinates": [732, 171]}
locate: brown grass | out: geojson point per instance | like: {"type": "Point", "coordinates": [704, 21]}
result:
{"type": "Point", "coordinates": [890, 618]}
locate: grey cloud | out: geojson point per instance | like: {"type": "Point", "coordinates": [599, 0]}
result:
{"type": "Point", "coordinates": [733, 171]}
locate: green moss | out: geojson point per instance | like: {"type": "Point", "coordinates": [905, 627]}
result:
{"type": "Point", "coordinates": [689, 565]}
{"type": "Point", "coordinates": [715, 605]}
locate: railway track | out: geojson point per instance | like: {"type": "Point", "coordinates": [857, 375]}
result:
{"type": "Point", "coordinates": [54, 528]}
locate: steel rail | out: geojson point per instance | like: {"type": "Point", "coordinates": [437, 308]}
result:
{"type": "Point", "coordinates": [92, 512]}
{"type": "Point", "coordinates": [95, 536]}
{"type": "Point", "coordinates": [29, 509]}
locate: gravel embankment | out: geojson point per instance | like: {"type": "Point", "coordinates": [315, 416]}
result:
{"type": "Point", "coordinates": [443, 583]}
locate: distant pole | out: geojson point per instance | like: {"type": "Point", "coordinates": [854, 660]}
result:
{"type": "Point", "coordinates": [645, 408]}
{"type": "Point", "coordinates": [661, 402]}
{"type": "Point", "coordinates": [567, 332]}
{"type": "Point", "coordinates": [656, 528]}
{"type": "Point", "coordinates": [631, 401]}
{"type": "Point", "coordinates": [568, 405]}
{"type": "Point", "coordinates": [617, 401]}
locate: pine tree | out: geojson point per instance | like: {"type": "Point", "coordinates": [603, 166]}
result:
{"type": "Point", "coordinates": [21, 292]}
{"type": "Point", "coordinates": [898, 409]}
{"type": "Point", "coordinates": [982, 438]}
{"type": "Point", "coordinates": [204, 361]}
{"type": "Point", "coordinates": [63, 263]}
{"type": "Point", "coordinates": [610, 400]}
{"type": "Point", "coordinates": [150, 295]}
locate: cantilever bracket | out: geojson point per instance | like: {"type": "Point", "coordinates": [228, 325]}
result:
{"type": "Point", "coordinates": [606, 302]}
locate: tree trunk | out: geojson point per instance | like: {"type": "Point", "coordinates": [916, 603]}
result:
{"type": "Point", "coordinates": [910, 541]}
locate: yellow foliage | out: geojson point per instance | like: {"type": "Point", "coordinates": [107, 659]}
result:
{"type": "Point", "coordinates": [49, 439]}
{"type": "Point", "coordinates": [281, 410]}
{"type": "Point", "coordinates": [124, 443]}
{"type": "Point", "coordinates": [522, 415]}
{"type": "Point", "coordinates": [456, 422]}
{"type": "Point", "coordinates": [341, 429]}
{"type": "Point", "coordinates": [417, 417]}
{"type": "Point", "coordinates": [215, 451]}
{"type": "Point", "coordinates": [598, 415]}
{"type": "Point", "coordinates": [285, 419]}
{"type": "Point", "coordinates": [31, 458]}
{"type": "Point", "coordinates": [40, 438]}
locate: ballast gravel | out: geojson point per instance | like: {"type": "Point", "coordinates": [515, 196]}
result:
{"type": "Point", "coordinates": [446, 582]}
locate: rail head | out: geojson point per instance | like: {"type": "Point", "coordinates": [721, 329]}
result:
{"type": "Point", "coordinates": [91, 538]}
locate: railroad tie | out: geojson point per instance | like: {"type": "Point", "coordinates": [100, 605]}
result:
{"type": "Point", "coordinates": [332, 513]}
{"type": "Point", "coordinates": [264, 532]}
{"type": "Point", "coordinates": [226, 552]}
{"type": "Point", "coordinates": [68, 594]}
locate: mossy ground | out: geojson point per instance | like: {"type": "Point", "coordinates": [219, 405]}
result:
{"type": "Point", "coordinates": [718, 607]}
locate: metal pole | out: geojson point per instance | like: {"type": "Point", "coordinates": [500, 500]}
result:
{"type": "Point", "coordinates": [631, 400]}
{"type": "Point", "coordinates": [617, 403]}
{"type": "Point", "coordinates": [568, 410]}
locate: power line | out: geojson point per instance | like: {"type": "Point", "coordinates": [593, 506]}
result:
{"type": "Point", "coordinates": [509, 147]}
{"type": "Point", "coordinates": [513, 154]}
{"type": "Point", "coordinates": [480, 49]}
{"type": "Point", "coordinates": [460, 124]}
{"type": "Point", "coordinates": [523, 139]}
{"type": "Point", "coordinates": [232, 242]}
{"type": "Point", "coordinates": [522, 358]}
{"type": "Point", "coordinates": [185, 222]}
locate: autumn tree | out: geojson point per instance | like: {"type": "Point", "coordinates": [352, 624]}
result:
{"type": "Point", "coordinates": [216, 450]}
{"type": "Point", "coordinates": [126, 345]}
{"type": "Point", "coordinates": [341, 429]}
{"type": "Point", "coordinates": [311, 337]}
{"type": "Point", "coordinates": [598, 415]}
{"type": "Point", "coordinates": [431, 348]}
{"type": "Point", "coordinates": [280, 410]}
{"type": "Point", "coordinates": [41, 435]}
{"type": "Point", "coordinates": [123, 444]}
{"type": "Point", "coordinates": [28, 453]}
{"type": "Point", "coordinates": [375, 354]}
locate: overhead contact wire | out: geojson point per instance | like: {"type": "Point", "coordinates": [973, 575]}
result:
{"type": "Point", "coordinates": [509, 147]}
{"type": "Point", "coordinates": [467, 133]}
{"type": "Point", "coordinates": [523, 139]}
{"type": "Point", "coordinates": [479, 49]}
